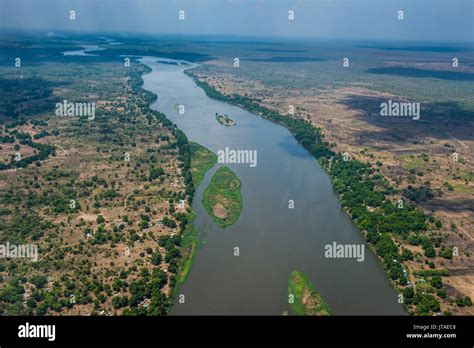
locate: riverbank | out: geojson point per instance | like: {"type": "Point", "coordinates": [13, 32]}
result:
{"type": "Point", "coordinates": [202, 160]}
{"type": "Point", "coordinates": [189, 244]}
{"type": "Point", "coordinates": [222, 198]}
{"type": "Point", "coordinates": [180, 252]}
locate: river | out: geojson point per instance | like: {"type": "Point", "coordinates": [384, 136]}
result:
{"type": "Point", "coordinates": [272, 239]}
{"type": "Point", "coordinates": [85, 49]}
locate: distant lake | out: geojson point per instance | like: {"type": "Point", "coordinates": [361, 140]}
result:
{"type": "Point", "coordinates": [85, 49]}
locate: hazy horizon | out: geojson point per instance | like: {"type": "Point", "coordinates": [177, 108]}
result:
{"type": "Point", "coordinates": [424, 20]}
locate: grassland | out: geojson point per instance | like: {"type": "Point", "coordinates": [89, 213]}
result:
{"type": "Point", "coordinates": [202, 160]}
{"type": "Point", "coordinates": [303, 297]}
{"type": "Point", "coordinates": [222, 198]}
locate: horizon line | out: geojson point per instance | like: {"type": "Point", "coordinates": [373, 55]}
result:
{"type": "Point", "coordinates": [59, 32]}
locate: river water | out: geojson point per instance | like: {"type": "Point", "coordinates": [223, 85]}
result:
{"type": "Point", "coordinates": [85, 49]}
{"type": "Point", "coordinates": [272, 239]}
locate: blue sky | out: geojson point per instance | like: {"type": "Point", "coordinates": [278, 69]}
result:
{"type": "Point", "coordinates": [434, 20]}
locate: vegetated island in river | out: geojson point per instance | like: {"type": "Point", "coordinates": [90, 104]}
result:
{"type": "Point", "coordinates": [225, 120]}
{"type": "Point", "coordinates": [222, 198]}
{"type": "Point", "coordinates": [202, 159]}
{"type": "Point", "coordinates": [303, 297]}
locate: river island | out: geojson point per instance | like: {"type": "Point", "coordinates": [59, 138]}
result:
{"type": "Point", "coordinates": [202, 160]}
{"type": "Point", "coordinates": [225, 120]}
{"type": "Point", "coordinates": [303, 297]}
{"type": "Point", "coordinates": [222, 198]}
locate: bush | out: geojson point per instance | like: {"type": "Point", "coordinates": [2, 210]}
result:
{"type": "Point", "coordinates": [39, 281]}
{"type": "Point", "coordinates": [463, 301]}
{"type": "Point", "coordinates": [100, 219]}
{"type": "Point", "coordinates": [436, 282]}
{"type": "Point", "coordinates": [156, 259]}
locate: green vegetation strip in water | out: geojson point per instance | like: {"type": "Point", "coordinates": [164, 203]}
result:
{"type": "Point", "coordinates": [303, 297]}
{"type": "Point", "coordinates": [222, 198]}
{"type": "Point", "coordinates": [189, 244]}
{"type": "Point", "coordinates": [202, 160]}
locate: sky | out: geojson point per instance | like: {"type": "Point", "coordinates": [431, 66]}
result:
{"type": "Point", "coordinates": [430, 20]}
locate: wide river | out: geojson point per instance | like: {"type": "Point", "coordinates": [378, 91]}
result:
{"type": "Point", "coordinates": [273, 240]}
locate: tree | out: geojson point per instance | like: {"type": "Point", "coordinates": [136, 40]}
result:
{"type": "Point", "coordinates": [119, 302]}
{"type": "Point", "coordinates": [158, 304]}
{"type": "Point", "coordinates": [406, 254]}
{"type": "Point", "coordinates": [446, 253]}
{"type": "Point", "coordinates": [159, 279]}
{"type": "Point", "coordinates": [436, 282]}
{"type": "Point", "coordinates": [385, 246]}
{"type": "Point", "coordinates": [430, 252]}
{"type": "Point", "coordinates": [408, 292]}
{"type": "Point", "coordinates": [441, 293]}
{"type": "Point", "coordinates": [156, 259]}
{"type": "Point", "coordinates": [168, 222]}
{"type": "Point", "coordinates": [155, 173]}
{"type": "Point", "coordinates": [463, 301]}
{"type": "Point", "coordinates": [31, 303]}
{"type": "Point", "coordinates": [39, 281]}
{"type": "Point", "coordinates": [426, 302]}
{"type": "Point", "coordinates": [100, 219]}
